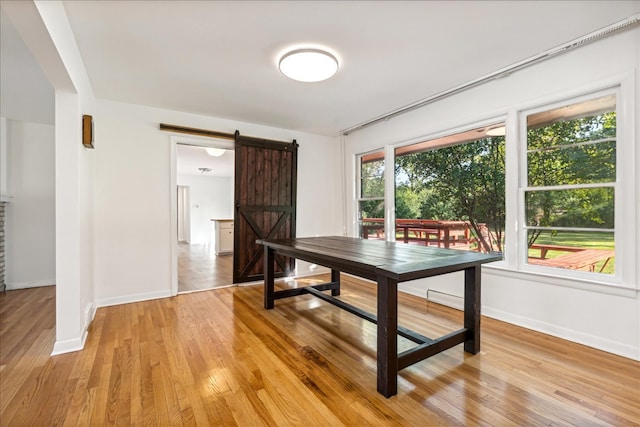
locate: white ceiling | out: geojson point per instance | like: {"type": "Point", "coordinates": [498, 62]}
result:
{"type": "Point", "coordinates": [191, 158]}
{"type": "Point", "coordinates": [25, 92]}
{"type": "Point", "coordinates": [219, 58]}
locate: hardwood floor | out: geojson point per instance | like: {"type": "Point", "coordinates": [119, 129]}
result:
{"type": "Point", "coordinates": [218, 358]}
{"type": "Point", "coordinates": [200, 268]}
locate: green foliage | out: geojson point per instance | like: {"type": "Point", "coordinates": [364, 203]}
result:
{"type": "Point", "coordinates": [407, 202]}
{"type": "Point", "coordinates": [372, 179]}
{"type": "Point", "coordinates": [467, 181]}
{"type": "Point", "coordinates": [561, 153]}
{"type": "Point", "coordinates": [462, 182]}
{"type": "Point", "coordinates": [579, 239]}
{"type": "Point", "coordinates": [554, 159]}
{"type": "Point", "coordinates": [371, 209]}
{"type": "Point", "coordinates": [434, 207]}
{"type": "Point", "coordinates": [372, 186]}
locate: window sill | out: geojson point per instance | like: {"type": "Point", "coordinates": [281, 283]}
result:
{"type": "Point", "coordinates": [502, 270]}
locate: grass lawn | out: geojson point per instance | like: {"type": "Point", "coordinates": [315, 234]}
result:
{"type": "Point", "coordinates": [582, 239]}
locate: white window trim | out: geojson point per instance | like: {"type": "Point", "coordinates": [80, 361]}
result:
{"type": "Point", "coordinates": [627, 213]}
{"type": "Point", "coordinates": [390, 193]}
{"type": "Point", "coordinates": [358, 189]}
{"type": "Point", "coordinates": [390, 158]}
{"type": "Point", "coordinates": [625, 276]}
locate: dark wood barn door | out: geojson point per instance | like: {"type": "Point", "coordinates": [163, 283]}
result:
{"type": "Point", "coordinates": [265, 203]}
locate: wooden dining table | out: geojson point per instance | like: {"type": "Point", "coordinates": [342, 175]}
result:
{"type": "Point", "coordinates": [386, 263]}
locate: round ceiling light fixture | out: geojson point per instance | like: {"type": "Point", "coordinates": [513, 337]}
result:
{"type": "Point", "coordinates": [308, 65]}
{"type": "Point", "coordinates": [215, 152]}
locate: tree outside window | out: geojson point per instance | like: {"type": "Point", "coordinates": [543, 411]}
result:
{"type": "Point", "coordinates": [569, 194]}
{"type": "Point", "coordinates": [458, 178]}
{"type": "Point", "coordinates": [450, 191]}
{"type": "Point", "coordinates": [371, 195]}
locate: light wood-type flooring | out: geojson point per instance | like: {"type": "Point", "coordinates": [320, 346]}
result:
{"type": "Point", "coordinates": [200, 268]}
{"type": "Point", "coordinates": [217, 358]}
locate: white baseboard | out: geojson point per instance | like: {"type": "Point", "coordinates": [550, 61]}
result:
{"type": "Point", "coordinates": [68, 346]}
{"type": "Point", "coordinates": [76, 344]}
{"type": "Point", "coordinates": [30, 284]}
{"type": "Point", "coordinates": [126, 299]}
{"type": "Point", "coordinates": [599, 343]}
{"type": "Point", "coordinates": [89, 314]}
{"type": "Point", "coordinates": [442, 298]}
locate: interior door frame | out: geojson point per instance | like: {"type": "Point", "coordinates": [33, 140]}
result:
{"type": "Point", "coordinates": [184, 220]}
{"type": "Point", "coordinates": [173, 185]}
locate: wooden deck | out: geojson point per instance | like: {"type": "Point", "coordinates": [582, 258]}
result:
{"type": "Point", "coordinates": [575, 259]}
{"type": "Point", "coordinates": [428, 232]}
{"type": "Point", "coordinates": [457, 235]}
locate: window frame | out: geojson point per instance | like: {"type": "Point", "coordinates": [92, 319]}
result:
{"type": "Point", "coordinates": [626, 282]}
{"type": "Point", "coordinates": [494, 121]}
{"type": "Point", "coordinates": [358, 193]}
{"type": "Point", "coordinates": [389, 151]}
{"type": "Point", "coordinates": [621, 269]}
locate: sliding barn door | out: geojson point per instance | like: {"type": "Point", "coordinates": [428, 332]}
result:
{"type": "Point", "coordinates": [265, 203]}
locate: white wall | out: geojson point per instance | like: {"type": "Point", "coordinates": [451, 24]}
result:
{"type": "Point", "coordinates": [133, 194]}
{"type": "Point", "coordinates": [4, 168]}
{"type": "Point", "coordinates": [75, 306]}
{"type": "Point", "coordinates": [45, 29]}
{"type": "Point", "coordinates": [25, 92]}
{"type": "Point", "coordinates": [30, 222]}
{"type": "Point", "coordinates": [593, 314]}
{"type": "Point", "coordinates": [211, 197]}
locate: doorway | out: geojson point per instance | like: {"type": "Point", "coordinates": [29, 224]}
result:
{"type": "Point", "coordinates": [204, 182]}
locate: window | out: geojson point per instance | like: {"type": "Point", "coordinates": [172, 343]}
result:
{"type": "Point", "coordinates": [450, 191]}
{"type": "Point", "coordinates": [569, 191]}
{"type": "Point", "coordinates": [557, 196]}
{"type": "Point", "coordinates": [371, 195]}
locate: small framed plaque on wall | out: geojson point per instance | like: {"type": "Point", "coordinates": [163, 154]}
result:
{"type": "Point", "coordinates": [87, 131]}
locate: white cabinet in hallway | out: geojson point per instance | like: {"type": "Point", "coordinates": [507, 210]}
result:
{"type": "Point", "coordinates": [223, 229]}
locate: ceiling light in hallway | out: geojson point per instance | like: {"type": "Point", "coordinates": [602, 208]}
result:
{"type": "Point", "coordinates": [215, 152]}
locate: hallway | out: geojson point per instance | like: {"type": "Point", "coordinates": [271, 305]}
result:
{"type": "Point", "coordinates": [199, 268]}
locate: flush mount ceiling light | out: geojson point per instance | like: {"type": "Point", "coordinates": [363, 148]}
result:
{"type": "Point", "coordinates": [308, 65]}
{"type": "Point", "coordinates": [497, 131]}
{"type": "Point", "coordinates": [215, 152]}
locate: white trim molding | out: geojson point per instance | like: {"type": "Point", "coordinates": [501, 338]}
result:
{"type": "Point", "coordinates": [69, 346]}
{"type": "Point", "coordinates": [126, 299]}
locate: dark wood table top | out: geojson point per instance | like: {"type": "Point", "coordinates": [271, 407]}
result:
{"type": "Point", "coordinates": [370, 258]}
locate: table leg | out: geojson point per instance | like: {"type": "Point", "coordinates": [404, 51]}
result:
{"type": "Point", "coordinates": [269, 293]}
{"type": "Point", "coordinates": [335, 278]}
{"type": "Point", "coordinates": [472, 309]}
{"type": "Point", "coordinates": [387, 336]}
